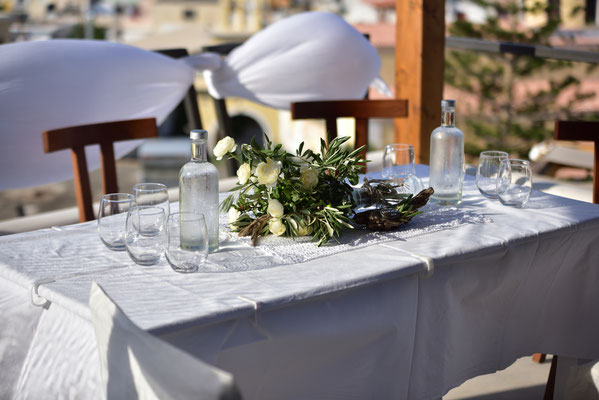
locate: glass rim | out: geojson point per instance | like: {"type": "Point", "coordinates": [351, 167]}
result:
{"type": "Point", "coordinates": [146, 207]}
{"type": "Point", "coordinates": [515, 161]}
{"type": "Point", "coordinates": [494, 153]}
{"type": "Point", "coordinates": [118, 197]}
{"type": "Point", "coordinates": [159, 187]}
{"type": "Point", "coordinates": [399, 146]}
{"type": "Point", "coordinates": [197, 215]}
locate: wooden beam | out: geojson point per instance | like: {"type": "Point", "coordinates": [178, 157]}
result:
{"type": "Point", "coordinates": [419, 66]}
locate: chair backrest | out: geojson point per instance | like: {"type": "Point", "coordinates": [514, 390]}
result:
{"type": "Point", "coordinates": [586, 131]}
{"type": "Point", "coordinates": [220, 106]}
{"type": "Point", "coordinates": [104, 134]}
{"type": "Point", "coordinates": [5, 23]}
{"type": "Point", "coordinates": [360, 110]}
{"type": "Point", "coordinates": [138, 365]}
{"type": "Point", "coordinates": [190, 101]}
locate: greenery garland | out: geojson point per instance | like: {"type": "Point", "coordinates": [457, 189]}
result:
{"type": "Point", "coordinates": [304, 194]}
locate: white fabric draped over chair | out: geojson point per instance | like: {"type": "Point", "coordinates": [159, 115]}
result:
{"type": "Point", "coordinates": [136, 364]}
{"type": "Point", "coordinates": [306, 57]}
{"type": "Point", "coordinates": [59, 83]}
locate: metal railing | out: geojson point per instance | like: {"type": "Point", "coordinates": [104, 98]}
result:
{"type": "Point", "coordinates": [556, 53]}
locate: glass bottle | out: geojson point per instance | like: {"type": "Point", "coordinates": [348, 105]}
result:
{"type": "Point", "coordinates": [198, 189]}
{"type": "Point", "coordinates": [447, 158]}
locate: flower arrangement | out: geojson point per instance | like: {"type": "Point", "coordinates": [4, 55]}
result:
{"type": "Point", "coordinates": [304, 194]}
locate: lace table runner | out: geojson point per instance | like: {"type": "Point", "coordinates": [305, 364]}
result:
{"type": "Point", "coordinates": [65, 252]}
{"type": "Point", "coordinates": [287, 250]}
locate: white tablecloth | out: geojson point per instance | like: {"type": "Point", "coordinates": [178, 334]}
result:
{"type": "Point", "coordinates": [375, 322]}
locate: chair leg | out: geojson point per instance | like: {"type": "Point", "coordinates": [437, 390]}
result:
{"type": "Point", "coordinates": [550, 387]}
{"type": "Point", "coordinates": [362, 137]}
{"type": "Point", "coordinates": [83, 191]}
{"type": "Point", "coordinates": [331, 126]}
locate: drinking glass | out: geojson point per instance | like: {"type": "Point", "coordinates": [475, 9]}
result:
{"type": "Point", "coordinates": [146, 234]}
{"type": "Point", "coordinates": [487, 171]}
{"type": "Point", "coordinates": [399, 166]}
{"type": "Point", "coordinates": [112, 219]}
{"type": "Point", "coordinates": [514, 182]}
{"type": "Point", "coordinates": [187, 241]}
{"type": "Point", "coordinates": [152, 194]}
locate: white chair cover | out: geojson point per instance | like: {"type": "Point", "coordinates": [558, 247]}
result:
{"type": "Point", "coordinates": [58, 83]}
{"type": "Point", "coordinates": [305, 57]}
{"type": "Point", "coordinates": [136, 364]}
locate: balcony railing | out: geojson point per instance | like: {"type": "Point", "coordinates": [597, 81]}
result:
{"type": "Point", "coordinates": [556, 53]}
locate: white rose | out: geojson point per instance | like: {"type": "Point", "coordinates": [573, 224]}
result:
{"type": "Point", "coordinates": [301, 228]}
{"type": "Point", "coordinates": [243, 173]}
{"type": "Point", "coordinates": [233, 216]}
{"type": "Point", "coordinates": [275, 208]}
{"type": "Point", "coordinates": [268, 172]}
{"type": "Point", "coordinates": [224, 146]}
{"type": "Point", "coordinates": [309, 177]}
{"type": "Point", "coordinates": [276, 226]}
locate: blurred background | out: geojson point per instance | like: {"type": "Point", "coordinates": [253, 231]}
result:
{"type": "Point", "coordinates": [505, 101]}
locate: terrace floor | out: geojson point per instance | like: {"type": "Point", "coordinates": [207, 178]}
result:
{"type": "Point", "coordinates": [523, 380]}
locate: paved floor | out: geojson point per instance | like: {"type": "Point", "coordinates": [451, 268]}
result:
{"type": "Point", "coordinates": [523, 380]}
{"type": "Point", "coordinates": [29, 201]}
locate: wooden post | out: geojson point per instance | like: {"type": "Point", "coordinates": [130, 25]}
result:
{"type": "Point", "coordinates": [419, 66]}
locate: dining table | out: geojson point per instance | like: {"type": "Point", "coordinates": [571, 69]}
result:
{"type": "Point", "coordinates": [458, 292]}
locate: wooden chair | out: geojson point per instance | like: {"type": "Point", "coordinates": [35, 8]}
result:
{"type": "Point", "coordinates": [104, 134]}
{"type": "Point", "coordinates": [360, 110]}
{"type": "Point", "coordinates": [583, 131]}
{"type": "Point", "coordinates": [220, 106]}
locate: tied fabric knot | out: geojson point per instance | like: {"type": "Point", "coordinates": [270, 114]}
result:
{"type": "Point", "coordinates": [204, 61]}
{"type": "Point", "coordinates": [321, 62]}
{"type": "Point", "coordinates": [36, 299]}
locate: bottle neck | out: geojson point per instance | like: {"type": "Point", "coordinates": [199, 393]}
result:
{"type": "Point", "coordinates": [198, 150]}
{"type": "Point", "coordinates": [447, 117]}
